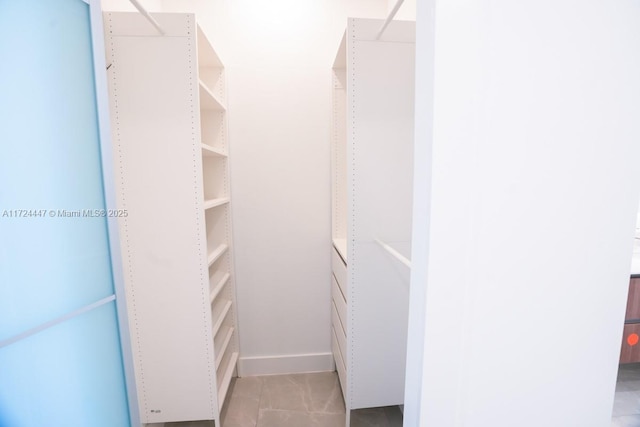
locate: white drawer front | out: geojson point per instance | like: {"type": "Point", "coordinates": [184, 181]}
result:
{"type": "Point", "coordinates": [340, 271]}
{"type": "Point", "coordinates": [340, 366]}
{"type": "Point", "coordinates": [340, 332]}
{"type": "Point", "coordinates": [339, 301]}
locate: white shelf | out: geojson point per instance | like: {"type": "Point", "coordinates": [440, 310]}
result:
{"type": "Point", "coordinates": [208, 151]}
{"type": "Point", "coordinates": [214, 293]}
{"type": "Point", "coordinates": [212, 203]}
{"type": "Point", "coordinates": [220, 319]}
{"type": "Point", "coordinates": [362, 210]}
{"type": "Point", "coordinates": [208, 100]}
{"type": "Point", "coordinates": [341, 247]}
{"type": "Point", "coordinates": [226, 380]}
{"type": "Point", "coordinates": [225, 344]}
{"type": "Point", "coordinates": [207, 56]}
{"type": "Point", "coordinates": [158, 75]}
{"type": "Point", "coordinates": [217, 253]}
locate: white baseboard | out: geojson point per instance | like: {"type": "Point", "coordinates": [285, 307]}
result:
{"type": "Point", "coordinates": [285, 364]}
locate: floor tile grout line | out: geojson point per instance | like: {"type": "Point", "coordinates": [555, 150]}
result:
{"type": "Point", "coordinates": [259, 401]}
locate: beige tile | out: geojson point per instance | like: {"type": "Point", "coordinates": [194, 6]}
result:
{"type": "Point", "coordinates": [209, 423]}
{"type": "Point", "coordinates": [277, 418]}
{"type": "Point", "coordinates": [247, 387]}
{"type": "Point", "coordinates": [240, 419]}
{"type": "Point", "coordinates": [325, 393]}
{"type": "Point", "coordinates": [369, 417]}
{"type": "Point", "coordinates": [241, 409]}
{"type": "Point", "coordinates": [313, 393]}
{"type": "Point", "coordinates": [283, 392]}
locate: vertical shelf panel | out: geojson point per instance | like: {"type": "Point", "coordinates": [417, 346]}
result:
{"type": "Point", "coordinates": [218, 220]}
{"type": "Point", "coordinates": [169, 120]}
{"type": "Point", "coordinates": [157, 287]}
{"type": "Point", "coordinates": [382, 112]}
{"type": "Point", "coordinates": [372, 161]}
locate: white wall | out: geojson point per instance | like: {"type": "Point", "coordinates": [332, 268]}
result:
{"type": "Point", "coordinates": [533, 194]}
{"type": "Point", "coordinates": [278, 56]}
{"type": "Point", "coordinates": [126, 6]}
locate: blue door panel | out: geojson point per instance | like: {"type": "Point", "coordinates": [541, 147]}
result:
{"type": "Point", "coordinates": [54, 243]}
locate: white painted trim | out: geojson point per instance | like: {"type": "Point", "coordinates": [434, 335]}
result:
{"type": "Point", "coordinates": [285, 364]}
{"type": "Point", "coordinates": [108, 182]}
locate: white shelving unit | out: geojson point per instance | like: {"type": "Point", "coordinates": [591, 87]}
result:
{"type": "Point", "coordinates": [169, 121]}
{"type": "Point", "coordinates": [372, 165]}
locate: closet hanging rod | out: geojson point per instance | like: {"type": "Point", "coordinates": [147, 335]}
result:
{"type": "Point", "coordinates": [392, 14]}
{"type": "Point", "coordinates": [397, 255]}
{"type": "Point", "coordinates": [149, 18]}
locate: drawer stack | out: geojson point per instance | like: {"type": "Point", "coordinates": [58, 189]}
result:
{"type": "Point", "coordinates": [339, 316]}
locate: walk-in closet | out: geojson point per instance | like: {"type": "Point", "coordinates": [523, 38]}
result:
{"type": "Point", "coordinates": [319, 213]}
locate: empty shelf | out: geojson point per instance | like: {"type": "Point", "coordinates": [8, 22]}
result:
{"type": "Point", "coordinates": [214, 293]}
{"type": "Point", "coordinates": [220, 319]}
{"type": "Point", "coordinates": [223, 348]}
{"type": "Point", "coordinates": [208, 151]}
{"type": "Point", "coordinates": [217, 253]}
{"type": "Point", "coordinates": [208, 101]}
{"type": "Point", "coordinates": [207, 56]}
{"type": "Point", "coordinates": [212, 203]}
{"type": "Point", "coordinates": [226, 380]}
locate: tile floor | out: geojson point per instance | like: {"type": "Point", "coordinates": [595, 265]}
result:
{"type": "Point", "coordinates": [297, 400]}
{"type": "Point", "coordinates": [626, 404]}
{"type": "Point", "coordinates": [315, 400]}
{"type": "Point", "coordinates": [285, 400]}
